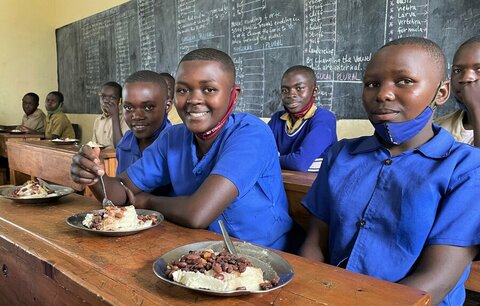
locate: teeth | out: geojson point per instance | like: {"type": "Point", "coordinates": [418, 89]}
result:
{"type": "Point", "coordinates": [196, 115]}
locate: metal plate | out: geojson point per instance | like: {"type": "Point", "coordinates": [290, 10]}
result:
{"type": "Point", "coordinates": [271, 264]}
{"type": "Point", "coordinates": [76, 222]}
{"type": "Point", "coordinates": [60, 191]}
{"type": "Point", "coordinates": [16, 132]}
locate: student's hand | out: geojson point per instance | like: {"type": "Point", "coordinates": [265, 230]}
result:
{"type": "Point", "coordinates": [86, 166]}
{"type": "Point", "coordinates": [470, 94]}
{"type": "Point", "coordinates": [111, 108]}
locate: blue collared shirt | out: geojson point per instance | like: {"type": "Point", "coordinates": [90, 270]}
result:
{"type": "Point", "coordinates": [245, 153]}
{"type": "Point", "coordinates": [382, 210]}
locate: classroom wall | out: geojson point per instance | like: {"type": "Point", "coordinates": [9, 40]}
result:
{"type": "Point", "coordinates": [28, 57]}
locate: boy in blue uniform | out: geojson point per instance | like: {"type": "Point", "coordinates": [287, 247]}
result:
{"type": "Point", "coordinates": [400, 205]}
{"type": "Point", "coordinates": [302, 131]}
{"type": "Point", "coordinates": [222, 165]}
{"type": "Point", "coordinates": [464, 124]}
{"type": "Point", "coordinates": [145, 110]}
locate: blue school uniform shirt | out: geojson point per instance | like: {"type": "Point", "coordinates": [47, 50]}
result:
{"type": "Point", "coordinates": [382, 210]}
{"type": "Point", "coordinates": [245, 153]}
{"type": "Point", "coordinates": [303, 148]}
{"type": "Point", "coordinates": [128, 151]}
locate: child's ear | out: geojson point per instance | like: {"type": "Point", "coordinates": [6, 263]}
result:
{"type": "Point", "coordinates": [443, 93]}
{"type": "Point", "coordinates": [168, 105]}
{"type": "Point", "coordinates": [315, 91]}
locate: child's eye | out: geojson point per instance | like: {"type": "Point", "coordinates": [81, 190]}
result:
{"type": "Point", "coordinates": [455, 70]}
{"type": "Point", "coordinates": [371, 84]}
{"type": "Point", "coordinates": [300, 88]}
{"type": "Point", "coordinates": [405, 82]}
{"type": "Point", "coordinates": [284, 91]}
{"type": "Point", "coordinates": [128, 108]}
{"type": "Point", "coordinates": [181, 91]}
{"type": "Point", "coordinates": [209, 90]}
{"type": "Point", "coordinates": [149, 108]}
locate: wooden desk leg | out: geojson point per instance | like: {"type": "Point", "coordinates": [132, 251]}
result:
{"type": "Point", "coordinates": [13, 179]}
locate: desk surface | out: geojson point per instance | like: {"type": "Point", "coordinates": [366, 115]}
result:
{"type": "Point", "coordinates": [47, 262]}
{"type": "Point", "coordinates": [6, 137]}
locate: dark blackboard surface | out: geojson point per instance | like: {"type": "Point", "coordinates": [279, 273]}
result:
{"type": "Point", "coordinates": [264, 37]}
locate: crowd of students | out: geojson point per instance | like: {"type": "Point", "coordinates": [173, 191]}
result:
{"type": "Point", "coordinates": [405, 196]}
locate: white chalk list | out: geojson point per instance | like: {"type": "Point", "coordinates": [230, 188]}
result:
{"type": "Point", "coordinates": [264, 37]}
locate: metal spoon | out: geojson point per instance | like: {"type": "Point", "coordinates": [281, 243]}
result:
{"type": "Point", "coordinates": [106, 202]}
{"type": "Point", "coordinates": [226, 239]}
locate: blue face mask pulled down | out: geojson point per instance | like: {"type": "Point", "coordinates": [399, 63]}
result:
{"type": "Point", "coordinates": [396, 133]}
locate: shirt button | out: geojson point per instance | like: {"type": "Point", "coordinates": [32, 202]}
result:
{"type": "Point", "coordinates": [387, 162]}
{"type": "Point", "coordinates": [362, 223]}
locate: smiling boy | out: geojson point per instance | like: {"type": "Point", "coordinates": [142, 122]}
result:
{"type": "Point", "coordinates": [406, 195]}
{"type": "Point", "coordinates": [215, 175]}
{"type": "Point", "coordinates": [464, 124]}
{"type": "Point", "coordinates": [144, 109]}
{"type": "Point", "coordinates": [302, 131]}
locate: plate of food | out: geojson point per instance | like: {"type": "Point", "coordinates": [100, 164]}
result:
{"type": "Point", "coordinates": [116, 220]}
{"type": "Point", "coordinates": [17, 131]}
{"type": "Point", "coordinates": [34, 192]}
{"type": "Point", "coordinates": [207, 267]}
{"type": "Point", "coordinates": [92, 144]}
{"type": "Point", "coordinates": [65, 141]}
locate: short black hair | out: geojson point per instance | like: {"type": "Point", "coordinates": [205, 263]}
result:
{"type": "Point", "coordinates": [428, 45]}
{"type": "Point", "coordinates": [475, 39]}
{"type": "Point", "coordinates": [57, 94]}
{"type": "Point", "coordinates": [168, 76]}
{"type": "Point", "coordinates": [303, 69]}
{"type": "Point", "coordinates": [115, 85]}
{"type": "Point", "coordinates": [148, 76]}
{"type": "Point", "coordinates": [210, 54]}
{"type": "Point", "coordinates": [35, 97]}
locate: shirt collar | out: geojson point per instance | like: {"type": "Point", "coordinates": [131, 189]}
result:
{"type": "Point", "coordinates": [291, 126]}
{"type": "Point", "coordinates": [439, 146]}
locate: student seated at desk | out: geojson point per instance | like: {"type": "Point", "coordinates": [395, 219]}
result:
{"type": "Point", "coordinates": [58, 125]}
{"type": "Point", "coordinates": [464, 124]}
{"type": "Point", "coordinates": [172, 110]}
{"type": "Point", "coordinates": [400, 205]}
{"type": "Point", "coordinates": [222, 165]}
{"type": "Point", "coordinates": [34, 118]}
{"type": "Point", "coordinates": [109, 128]}
{"type": "Point", "coordinates": [303, 131]}
{"type": "Point", "coordinates": [145, 104]}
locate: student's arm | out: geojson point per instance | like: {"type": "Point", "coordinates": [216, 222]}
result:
{"type": "Point", "coordinates": [195, 211]}
{"type": "Point", "coordinates": [321, 135]}
{"type": "Point", "coordinates": [315, 246]}
{"type": "Point", "coordinates": [471, 99]}
{"type": "Point", "coordinates": [439, 269]}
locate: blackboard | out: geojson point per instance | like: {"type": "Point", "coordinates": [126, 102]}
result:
{"type": "Point", "coordinates": [264, 37]}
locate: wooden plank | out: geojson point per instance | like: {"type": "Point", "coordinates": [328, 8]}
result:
{"type": "Point", "coordinates": [70, 265]}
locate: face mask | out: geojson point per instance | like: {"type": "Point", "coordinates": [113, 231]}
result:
{"type": "Point", "coordinates": [396, 133]}
{"type": "Point", "coordinates": [461, 105]}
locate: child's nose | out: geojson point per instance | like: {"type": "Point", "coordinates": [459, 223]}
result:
{"type": "Point", "coordinates": [385, 93]}
{"type": "Point", "coordinates": [468, 76]}
{"type": "Point", "coordinates": [195, 96]}
{"type": "Point", "coordinates": [138, 114]}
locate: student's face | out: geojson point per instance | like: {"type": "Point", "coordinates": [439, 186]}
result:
{"type": "Point", "coordinates": [143, 107]}
{"type": "Point", "coordinates": [171, 87]}
{"type": "Point", "coordinates": [51, 102]}
{"type": "Point", "coordinates": [297, 89]}
{"type": "Point", "coordinates": [202, 93]}
{"type": "Point", "coordinates": [465, 68]}
{"type": "Point", "coordinates": [400, 81]}
{"type": "Point", "coordinates": [29, 105]}
{"type": "Point", "coordinates": [108, 95]}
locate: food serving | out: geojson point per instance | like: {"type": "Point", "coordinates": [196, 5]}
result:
{"type": "Point", "coordinates": [32, 188]}
{"type": "Point", "coordinates": [218, 271]}
{"type": "Point", "coordinates": [114, 218]}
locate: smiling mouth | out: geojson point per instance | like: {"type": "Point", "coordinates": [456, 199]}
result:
{"type": "Point", "coordinates": [139, 127]}
{"type": "Point", "coordinates": [197, 114]}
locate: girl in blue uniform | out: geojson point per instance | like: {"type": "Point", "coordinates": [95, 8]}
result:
{"type": "Point", "coordinates": [221, 165]}
{"type": "Point", "coordinates": [400, 205]}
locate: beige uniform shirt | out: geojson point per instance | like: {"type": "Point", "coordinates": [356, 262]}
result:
{"type": "Point", "coordinates": [58, 124]}
{"type": "Point", "coordinates": [453, 123]}
{"type": "Point", "coordinates": [103, 132]}
{"type": "Point", "coordinates": [35, 121]}
{"type": "Point", "coordinates": [173, 116]}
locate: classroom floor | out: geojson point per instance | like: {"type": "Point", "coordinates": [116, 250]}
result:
{"type": "Point", "coordinates": [472, 299]}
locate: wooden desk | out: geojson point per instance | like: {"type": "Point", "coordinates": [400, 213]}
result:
{"type": "Point", "coordinates": [50, 161]}
{"type": "Point", "coordinates": [46, 262]}
{"type": "Point", "coordinates": [296, 186]}
{"type": "Point", "coordinates": [9, 138]}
